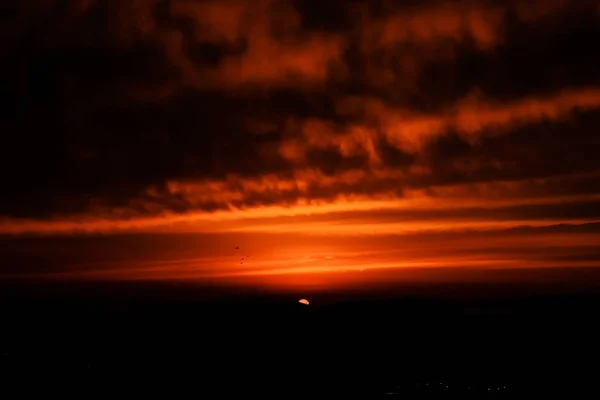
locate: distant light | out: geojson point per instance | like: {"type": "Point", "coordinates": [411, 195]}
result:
{"type": "Point", "coordinates": [304, 301]}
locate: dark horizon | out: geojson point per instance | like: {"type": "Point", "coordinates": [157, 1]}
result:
{"type": "Point", "coordinates": [143, 338]}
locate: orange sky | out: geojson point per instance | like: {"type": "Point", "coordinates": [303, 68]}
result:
{"type": "Point", "coordinates": [340, 145]}
{"type": "Point", "coordinates": [347, 244]}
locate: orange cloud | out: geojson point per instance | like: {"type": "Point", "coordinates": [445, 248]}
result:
{"type": "Point", "coordinates": [318, 134]}
{"type": "Point", "coordinates": [342, 213]}
{"type": "Point", "coordinates": [400, 40]}
{"type": "Point", "coordinates": [470, 117]}
{"type": "Point", "coordinates": [272, 63]}
{"type": "Point", "coordinates": [274, 51]}
{"type": "Point", "coordinates": [452, 21]}
{"type": "Point", "coordinates": [409, 131]}
{"type": "Point", "coordinates": [458, 21]}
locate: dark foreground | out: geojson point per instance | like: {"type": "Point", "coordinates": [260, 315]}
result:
{"type": "Point", "coordinates": [94, 341]}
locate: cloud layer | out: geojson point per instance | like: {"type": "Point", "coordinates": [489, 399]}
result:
{"type": "Point", "coordinates": [121, 114]}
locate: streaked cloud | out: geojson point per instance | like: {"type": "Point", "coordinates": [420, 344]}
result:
{"type": "Point", "coordinates": [292, 119]}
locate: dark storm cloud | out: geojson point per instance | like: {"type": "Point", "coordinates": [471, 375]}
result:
{"type": "Point", "coordinates": [118, 105]}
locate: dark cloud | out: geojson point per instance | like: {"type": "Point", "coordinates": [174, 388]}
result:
{"type": "Point", "coordinates": [111, 104]}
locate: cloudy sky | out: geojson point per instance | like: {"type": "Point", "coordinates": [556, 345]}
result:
{"type": "Point", "coordinates": [334, 142]}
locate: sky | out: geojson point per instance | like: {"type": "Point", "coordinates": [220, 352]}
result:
{"type": "Point", "coordinates": [338, 143]}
